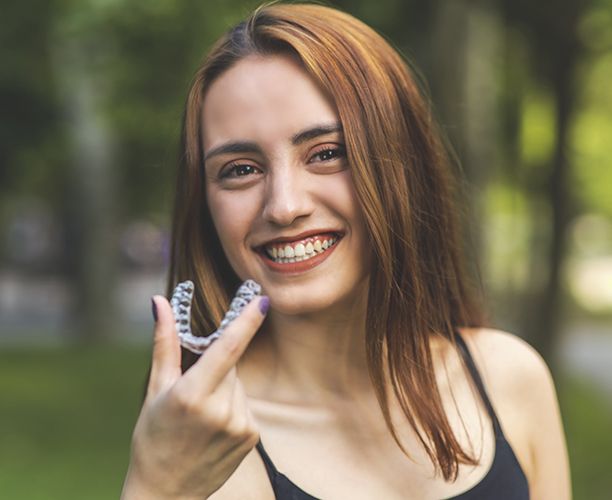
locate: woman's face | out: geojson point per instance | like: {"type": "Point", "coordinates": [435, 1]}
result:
{"type": "Point", "coordinates": [279, 187]}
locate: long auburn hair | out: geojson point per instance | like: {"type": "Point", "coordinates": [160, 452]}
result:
{"type": "Point", "coordinates": [402, 176]}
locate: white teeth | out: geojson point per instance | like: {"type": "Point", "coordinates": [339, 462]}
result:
{"type": "Point", "coordinates": [300, 250]}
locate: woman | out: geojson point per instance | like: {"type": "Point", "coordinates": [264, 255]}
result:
{"type": "Point", "coordinates": [311, 164]}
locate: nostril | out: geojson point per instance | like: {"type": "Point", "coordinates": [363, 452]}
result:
{"type": "Point", "coordinates": [286, 199]}
{"type": "Point", "coordinates": [285, 214]}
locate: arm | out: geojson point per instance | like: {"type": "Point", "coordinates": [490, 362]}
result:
{"type": "Point", "coordinates": [523, 393]}
{"type": "Point", "coordinates": [550, 475]}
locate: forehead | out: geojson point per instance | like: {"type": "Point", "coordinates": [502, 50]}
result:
{"type": "Point", "coordinates": [263, 98]}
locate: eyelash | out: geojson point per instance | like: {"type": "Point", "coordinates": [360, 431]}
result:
{"type": "Point", "coordinates": [233, 167]}
{"type": "Point", "coordinates": [338, 151]}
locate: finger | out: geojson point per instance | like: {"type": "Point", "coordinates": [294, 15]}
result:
{"type": "Point", "coordinates": [227, 384]}
{"type": "Point", "coordinates": [225, 352]}
{"type": "Point", "coordinates": [166, 358]}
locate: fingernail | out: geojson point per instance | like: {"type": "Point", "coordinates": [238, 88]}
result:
{"type": "Point", "coordinates": [264, 304]}
{"type": "Point", "coordinates": [154, 309]}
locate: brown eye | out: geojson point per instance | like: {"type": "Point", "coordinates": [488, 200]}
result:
{"type": "Point", "coordinates": [329, 153]}
{"type": "Point", "coordinates": [240, 170]}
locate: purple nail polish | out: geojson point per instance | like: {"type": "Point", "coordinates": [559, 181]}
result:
{"type": "Point", "coordinates": [154, 309]}
{"type": "Point", "coordinates": [264, 304]}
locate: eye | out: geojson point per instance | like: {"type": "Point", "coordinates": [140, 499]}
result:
{"type": "Point", "coordinates": [328, 153]}
{"type": "Point", "coordinates": [239, 170]}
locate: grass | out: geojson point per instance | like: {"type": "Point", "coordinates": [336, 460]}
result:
{"type": "Point", "coordinates": [587, 416]}
{"type": "Point", "coordinates": [66, 417]}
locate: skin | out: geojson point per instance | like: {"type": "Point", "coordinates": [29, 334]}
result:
{"type": "Point", "coordinates": [302, 383]}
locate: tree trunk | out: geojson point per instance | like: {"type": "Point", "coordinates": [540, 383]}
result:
{"type": "Point", "coordinates": [545, 325]}
{"type": "Point", "coordinates": [89, 203]}
{"type": "Point", "coordinates": [467, 44]}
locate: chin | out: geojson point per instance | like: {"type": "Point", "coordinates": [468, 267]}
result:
{"type": "Point", "coordinates": [296, 301]}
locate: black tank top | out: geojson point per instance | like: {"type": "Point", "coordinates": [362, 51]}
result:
{"type": "Point", "coordinates": [505, 480]}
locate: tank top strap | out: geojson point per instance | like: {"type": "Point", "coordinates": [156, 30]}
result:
{"type": "Point", "coordinates": [465, 353]}
{"type": "Point", "coordinates": [270, 467]}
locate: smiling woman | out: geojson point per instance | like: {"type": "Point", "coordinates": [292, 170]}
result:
{"type": "Point", "coordinates": [311, 164]}
{"type": "Point", "coordinates": [277, 178]}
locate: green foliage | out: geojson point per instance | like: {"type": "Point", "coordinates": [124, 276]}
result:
{"type": "Point", "coordinates": [591, 145]}
{"type": "Point", "coordinates": [505, 263]}
{"type": "Point", "coordinates": [31, 145]}
{"type": "Point", "coordinates": [156, 48]}
{"type": "Point", "coordinates": [140, 55]}
{"type": "Point", "coordinates": [537, 128]}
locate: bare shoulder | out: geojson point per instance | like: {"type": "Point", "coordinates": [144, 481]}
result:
{"type": "Point", "coordinates": [507, 360]}
{"type": "Point", "coordinates": [516, 377]}
{"type": "Point", "coordinates": [522, 391]}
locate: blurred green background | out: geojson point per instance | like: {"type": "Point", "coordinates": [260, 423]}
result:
{"type": "Point", "coordinates": [91, 95]}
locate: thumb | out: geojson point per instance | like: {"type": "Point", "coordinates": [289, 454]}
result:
{"type": "Point", "coordinates": [166, 358]}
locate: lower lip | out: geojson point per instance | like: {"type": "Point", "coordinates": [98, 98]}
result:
{"type": "Point", "coordinates": [298, 267]}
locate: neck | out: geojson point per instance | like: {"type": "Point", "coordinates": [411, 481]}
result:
{"type": "Point", "coordinates": [309, 358]}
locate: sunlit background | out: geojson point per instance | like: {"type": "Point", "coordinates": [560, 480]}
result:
{"type": "Point", "coordinates": [91, 95]}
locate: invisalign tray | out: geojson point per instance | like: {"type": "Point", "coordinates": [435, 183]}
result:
{"type": "Point", "coordinates": [181, 306]}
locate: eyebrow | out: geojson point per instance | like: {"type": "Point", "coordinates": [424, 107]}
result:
{"type": "Point", "coordinates": [252, 147]}
{"type": "Point", "coordinates": [313, 132]}
{"type": "Point", "coordinates": [233, 147]}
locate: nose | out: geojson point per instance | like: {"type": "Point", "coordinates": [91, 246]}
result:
{"type": "Point", "coordinates": [287, 197]}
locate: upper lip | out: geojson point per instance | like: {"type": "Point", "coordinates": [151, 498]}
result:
{"type": "Point", "coordinates": [300, 236]}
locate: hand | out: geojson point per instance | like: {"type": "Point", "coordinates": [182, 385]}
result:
{"type": "Point", "coordinates": [195, 428]}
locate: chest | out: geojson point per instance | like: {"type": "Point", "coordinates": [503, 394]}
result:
{"type": "Point", "coordinates": [351, 454]}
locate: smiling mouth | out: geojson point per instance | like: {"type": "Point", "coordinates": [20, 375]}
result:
{"type": "Point", "coordinates": [300, 250]}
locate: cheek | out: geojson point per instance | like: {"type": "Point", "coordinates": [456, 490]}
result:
{"type": "Point", "coordinates": [233, 214]}
{"type": "Point", "coordinates": [343, 197]}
